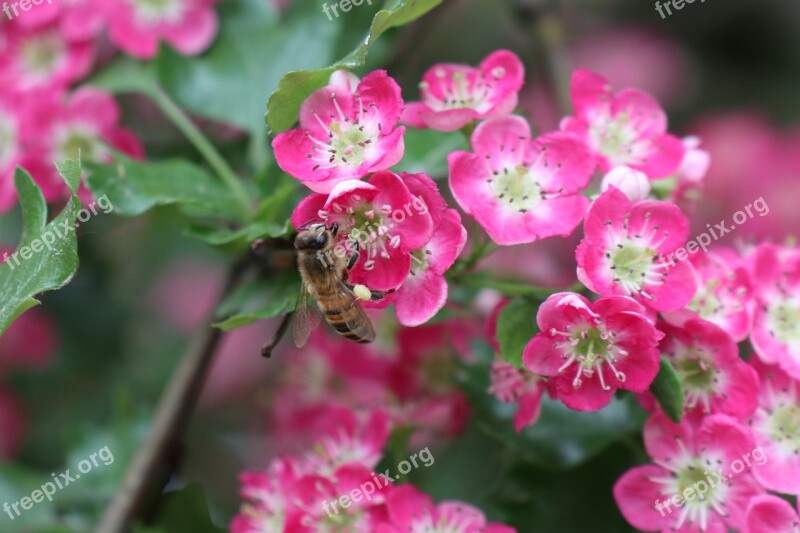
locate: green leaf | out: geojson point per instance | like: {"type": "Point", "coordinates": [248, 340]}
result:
{"type": "Point", "coordinates": [516, 326]}
{"type": "Point", "coordinates": [47, 256]}
{"type": "Point", "coordinates": [125, 75]}
{"type": "Point", "coordinates": [668, 391]}
{"type": "Point", "coordinates": [294, 87]}
{"type": "Point", "coordinates": [185, 510]}
{"type": "Point", "coordinates": [259, 299]}
{"type": "Point", "coordinates": [133, 187]}
{"type": "Point", "coordinates": [253, 50]}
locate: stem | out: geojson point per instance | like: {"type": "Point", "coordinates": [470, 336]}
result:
{"type": "Point", "coordinates": [149, 470]}
{"type": "Point", "coordinates": [206, 149]}
{"type": "Point", "coordinates": [512, 288]}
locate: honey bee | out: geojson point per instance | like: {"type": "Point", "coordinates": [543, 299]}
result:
{"type": "Point", "coordinates": [324, 290]}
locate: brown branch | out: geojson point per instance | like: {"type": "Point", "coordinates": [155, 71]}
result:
{"type": "Point", "coordinates": [151, 467]}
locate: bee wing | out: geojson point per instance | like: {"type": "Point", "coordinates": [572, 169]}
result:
{"type": "Point", "coordinates": [359, 321]}
{"type": "Point", "coordinates": [307, 317]}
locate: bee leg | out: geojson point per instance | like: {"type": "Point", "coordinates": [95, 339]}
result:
{"type": "Point", "coordinates": [266, 351]}
{"type": "Point", "coordinates": [335, 228]}
{"type": "Point", "coordinates": [380, 295]}
{"type": "Point", "coordinates": [351, 262]}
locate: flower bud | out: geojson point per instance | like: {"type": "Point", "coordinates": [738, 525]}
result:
{"type": "Point", "coordinates": [632, 183]}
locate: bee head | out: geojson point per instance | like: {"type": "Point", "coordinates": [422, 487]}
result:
{"type": "Point", "coordinates": [315, 237]}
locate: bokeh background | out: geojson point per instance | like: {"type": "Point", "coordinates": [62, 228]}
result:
{"type": "Point", "coordinates": [86, 368]}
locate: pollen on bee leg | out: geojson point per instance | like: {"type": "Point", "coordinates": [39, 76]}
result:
{"type": "Point", "coordinates": [362, 292]}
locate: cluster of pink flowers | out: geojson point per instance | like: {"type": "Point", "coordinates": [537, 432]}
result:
{"type": "Point", "coordinates": [50, 47]}
{"type": "Point", "coordinates": [299, 493]}
{"type": "Point", "coordinates": [613, 168]}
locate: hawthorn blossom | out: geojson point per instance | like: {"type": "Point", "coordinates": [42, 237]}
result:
{"type": "Point", "coordinates": [42, 60]}
{"type": "Point", "coordinates": [695, 483]}
{"type": "Point", "coordinates": [631, 183]}
{"type": "Point", "coordinates": [10, 151]}
{"type": "Point", "coordinates": [382, 216]}
{"type": "Point", "coordinates": [521, 189]}
{"type": "Point", "coordinates": [409, 509]}
{"type": "Point", "coordinates": [77, 20]}
{"type": "Point", "coordinates": [455, 95]}
{"type": "Point", "coordinates": [724, 293]}
{"type": "Point", "coordinates": [85, 124]}
{"type": "Point", "coordinates": [776, 428]}
{"type": "Point", "coordinates": [776, 323]}
{"type": "Point", "coordinates": [588, 350]}
{"type": "Point", "coordinates": [713, 377]}
{"type": "Point", "coordinates": [424, 292]}
{"type": "Point", "coordinates": [510, 384]}
{"type": "Point", "coordinates": [770, 514]}
{"type": "Point", "coordinates": [345, 132]}
{"type": "Point", "coordinates": [690, 175]}
{"type": "Point", "coordinates": [623, 128]}
{"type": "Point", "coordinates": [188, 26]}
{"type": "Point", "coordinates": [625, 251]}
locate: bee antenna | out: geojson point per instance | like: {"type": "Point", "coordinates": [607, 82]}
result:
{"type": "Point", "coordinates": [307, 223]}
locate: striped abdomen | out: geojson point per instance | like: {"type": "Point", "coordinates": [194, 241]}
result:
{"type": "Point", "coordinates": [346, 316]}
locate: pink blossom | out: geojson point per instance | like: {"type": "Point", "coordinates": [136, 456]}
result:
{"type": "Point", "coordinates": [30, 341]}
{"type": "Point", "coordinates": [776, 428]}
{"type": "Point", "coordinates": [455, 95]}
{"type": "Point", "coordinates": [43, 59]}
{"type": "Point", "coordinates": [706, 359]}
{"type": "Point", "coordinates": [691, 174]}
{"type": "Point", "coordinates": [588, 350]}
{"type": "Point", "coordinates": [11, 123]}
{"type": "Point", "coordinates": [776, 322]}
{"type": "Point", "coordinates": [136, 27]}
{"type": "Point", "coordinates": [625, 251]}
{"type": "Point", "coordinates": [685, 456]}
{"type": "Point", "coordinates": [518, 385]}
{"type": "Point", "coordinates": [518, 189]}
{"type": "Point", "coordinates": [409, 509]}
{"type": "Point", "coordinates": [632, 183]}
{"type": "Point", "coordinates": [345, 132]}
{"type": "Point", "coordinates": [77, 20]}
{"type": "Point", "coordinates": [623, 128]}
{"type": "Point", "coordinates": [424, 292]}
{"type": "Point", "coordinates": [382, 216]}
{"type": "Point", "coordinates": [770, 514]}
{"type": "Point", "coordinates": [724, 293]}
{"type": "Point", "coordinates": [65, 127]}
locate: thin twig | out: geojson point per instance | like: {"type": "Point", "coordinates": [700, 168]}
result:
{"type": "Point", "coordinates": [150, 468]}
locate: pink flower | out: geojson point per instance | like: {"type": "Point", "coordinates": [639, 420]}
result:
{"type": "Point", "coordinates": [776, 323]}
{"type": "Point", "coordinates": [588, 350]}
{"type": "Point", "coordinates": [517, 385]}
{"type": "Point", "coordinates": [706, 359]}
{"type": "Point", "coordinates": [382, 216]}
{"type": "Point", "coordinates": [30, 342]}
{"type": "Point", "coordinates": [518, 189]}
{"type": "Point", "coordinates": [770, 514]}
{"type": "Point", "coordinates": [455, 95]}
{"type": "Point", "coordinates": [345, 132]}
{"type": "Point", "coordinates": [624, 128]}
{"type": "Point", "coordinates": [724, 293]}
{"type": "Point", "coordinates": [136, 27]}
{"type": "Point", "coordinates": [424, 292]}
{"type": "Point", "coordinates": [42, 60]}
{"type": "Point", "coordinates": [64, 127]}
{"type": "Point", "coordinates": [694, 484]}
{"type": "Point", "coordinates": [78, 20]}
{"type": "Point", "coordinates": [632, 183]}
{"type": "Point", "coordinates": [411, 510]}
{"type": "Point", "coordinates": [776, 428]}
{"type": "Point", "coordinates": [625, 248]}
{"type": "Point", "coordinates": [690, 176]}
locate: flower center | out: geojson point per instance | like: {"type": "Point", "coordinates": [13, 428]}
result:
{"type": "Point", "coordinates": [698, 377]}
{"type": "Point", "coordinates": [785, 320]}
{"type": "Point", "coordinates": [155, 11]}
{"type": "Point", "coordinates": [617, 139]}
{"type": "Point", "coordinates": [43, 55]}
{"type": "Point", "coordinates": [74, 141]}
{"type": "Point", "coordinates": [785, 428]}
{"type": "Point", "coordinates": [349, 142]}
{"type": "Point", "coordinates": [589, 349]}
{"type": "Point", "coordinates": [460, 91]}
